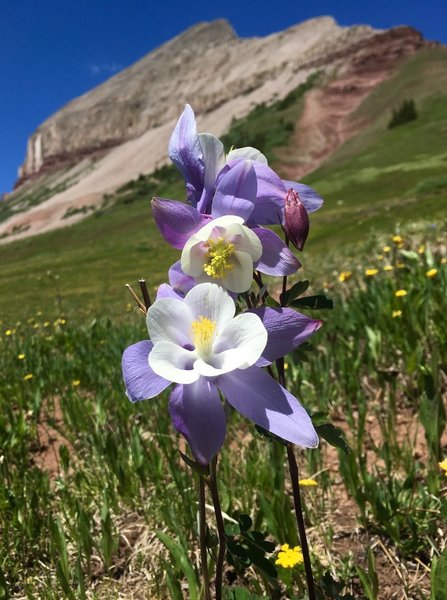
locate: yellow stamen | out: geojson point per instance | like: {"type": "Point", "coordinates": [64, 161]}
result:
{"type": "Point", "coordinates": [203, 334]}
{"type": "Point", "coordinates": [220, 253]}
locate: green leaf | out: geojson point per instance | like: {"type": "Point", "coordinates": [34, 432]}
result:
{"type": "Point", "coordinates": [319, 302]}
{"type": "Point", "coordinates": [439, 578]}
{"type": "Point", "coordinates": [272, 302]}
{"type": "Point", "coordinates": [333, 436]}
{"type": "Point", "coordinates": [245, 523]}
{"type": "Point", "coordinates": [180, 556]}
{"type": "Point", "coordinates": [296, 290]}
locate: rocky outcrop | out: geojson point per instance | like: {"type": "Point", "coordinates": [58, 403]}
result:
{"type": "Point", "coordinates": [208, 66]}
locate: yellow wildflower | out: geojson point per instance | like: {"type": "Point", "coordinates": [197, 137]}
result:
{"type": "Point", "coordinates": [371, 272]}
{"type": "Point", "coordinates": [289, 557]}
{"type": "Point", "coordinates": [443, 260]}
{"type": "Point", "coordinates": [21, 356]}
{"type": "Point", "coordinates": [388, 268]}
{"type": "Point", "coordinates": [76, 382]}
{"type": "Point", "coordinates": [421, 249]}
{"type": "Point", "coordinates": [443, 465]}
{"type": "Point", "coordinates": [396, 313]}
{"type": "Point", "coordinates": [28, 376]}
{"type": "Point", "coordinates": [400, 265]}
{"type": "Point", "coordinates": [46, 324]}
{"type": "Point", "coordinates": [8, 332]}
{"type": "Point", "coordinates": [307, 482]}
{"type": "Point", "coordinates": [39, 313]}
{"type": "Point", "coordinates": [431, 273]}
{"type": "Point", "coordinates": [286, 366]}
{"type": "Point", "coordinates": [397, 239]}
{"type": "Point", "coordinates": [386, 249]}
{"type": "Point", "coordinates": [36, 325]}
{"type": "Point", "coordinates": [379, 257]}
{"type": "Point", "coordinates": [400, 293]}
{"type": "Point", "coordinates": [345, 276]}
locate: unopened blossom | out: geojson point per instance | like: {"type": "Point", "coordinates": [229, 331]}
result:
{"type": "Point", "coordinates": [199, 344]}
{"type": "Point", "coordinates": [296, 220]}
{"type": "Point", "coordinates": [431, 273]}
{"type": "Point", "coordinates": [289, 557]}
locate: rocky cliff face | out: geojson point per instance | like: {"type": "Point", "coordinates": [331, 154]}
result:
{"type": "Point", "coordinates": [120, 129]}
{"type": "Point", "coordinates": [208, 65]}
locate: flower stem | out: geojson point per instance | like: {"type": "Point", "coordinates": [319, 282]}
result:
{"type": "Point", "coordinates": [220, 528]}
{"type": "Point", "coordinates": [202, 533]}
{"type": "Point", "coordinates": [294, 475]}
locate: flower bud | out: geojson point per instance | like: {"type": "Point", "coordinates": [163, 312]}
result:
{"type": "Point", "coordinates": [296, 220]}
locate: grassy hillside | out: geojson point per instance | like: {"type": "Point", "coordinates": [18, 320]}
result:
{"type": "Point", "coordinates": [374, 182]}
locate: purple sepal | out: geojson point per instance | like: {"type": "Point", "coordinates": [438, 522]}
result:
{"type": "Point", "coordinates": [181, 282]}
{"type": "Point", "coordinates": [166, 291]}
{"type": "Point", "coordinates": [236, 192]}
{"type": "Point", "coordinates": [260, 398]}
{"type": "Point", "coordinates": [276, 258]}
{"type": "Point", "coordinates": [176, 221]}
{"type": "Point", "coordinates": [309, 197]}
{"type": "Point", "coordinates": [141, 381]}
{"type": "Point", "coordinates": [286, 329]}
{"type": "Point", "coordinates": [269, 205]}
{"type": "Point", "coordinates": [197, 413]}
{"type": "Point", "coordinates": [186, 153]}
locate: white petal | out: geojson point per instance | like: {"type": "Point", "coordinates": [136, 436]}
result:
{"type": "Point", "coordinates": [248, 241]}
{"type": "Point", "coordinates": [244, 334]}
{"type": "Point", "coordinates": [248, 153]}
{"type": "Point", "coordinates": [173, 363]}
{"type": "Point", "coordinates": [240, 277]}
{"type": "Point", "coordinates": [213, 157]}
{"type": "Point", "coordinates": [211, 301]}
{"type": "Point", "coordinates": [193, 257]}
{"type": "Point", "coordinates": [169, 319]}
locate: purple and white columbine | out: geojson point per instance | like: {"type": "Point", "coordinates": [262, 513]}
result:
{"type": "Point", "coordinates": [200, 345]}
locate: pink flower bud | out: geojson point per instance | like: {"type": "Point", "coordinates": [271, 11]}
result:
{"type": "Point", "coordinates": [296, 220]}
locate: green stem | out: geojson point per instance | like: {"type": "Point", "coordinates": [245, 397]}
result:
{"type": "Point", "coordinates": [202, 535]}
{"type": "Point", "coordinates": [220, 528]}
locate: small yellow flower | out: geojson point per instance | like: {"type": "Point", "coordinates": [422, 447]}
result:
{"type": "Point", "coordinates": [286, 366]}
{"type": "Point", "coordinates": [39, 313]}
{"type": "Point", "coordinates": [443, 465]}
{"type": "Point", "coordinates": [76, 382]}
{"type": "Point", "coordinates": [421, 249]}
{"type": "Point", "coordinates": [400, 293]}
{"type": "Point", "coordinates": [388, 268]}
{"type": "Point", "coordinates": [36, 325]}
{"type": "Point", "coordinates": [345, 276]}
{"type": "Point", "coordinates": [371, 272]}
{"type": "Point", "coordinates": [400, 265]}
{"type": "Point", "coordinates": [307, 482]}
{"type": "Point", "coordinates": [289, 557]}
{"type": "Point", "coordinates": [397, 239]}
{"type": "Point", "coordinates": [396, 313]}
{"type": "Point", "coordinates": [49, 338]}
{"type": "Point", "coordinates": [432, 273]}
{"type": "Point", "coordinates": [443, 260]}
{"type": "Point", "coordinates": [8, 332]}
{"type": "Point", "coordinates": [28, 376]}
{"type": "Point", "coordinates": [379, 257]}
{"type": "Point", "coordinates": [386, 249]}
{"type": "Point", "coordinates": [30, 320]}
{"type": "Point", "coordinates": [46, 324]}
{"type": "Point", "coordinates": [21, 356]}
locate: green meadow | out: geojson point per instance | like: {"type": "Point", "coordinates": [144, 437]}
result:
{"type": "Point", "coordinates": [96, 502]}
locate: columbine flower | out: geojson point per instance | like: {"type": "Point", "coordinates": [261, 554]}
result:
{"type": "Point", "coordinates": [396, 313]}
{"type": "Point", "coordinates": [371, 272]}
{"type": "Point", "coordinates": [198, 344]}
{"type": "Point", "coordinates": [289, 557]}
{"type": "Point", "coordinates": [344, 276]}
{"type": "Point", "coordinates": [443, 465]}
{"type": "Point", "coordinates": [307, 482]}
{"type": "Point", "coordinates": [400, 293]}
{"type": "Point", "coordinates": [200, 157]}
{"type": "Point", "coordinates": [431, 273]}
{"type": "Point", "coordinates": [183, 226]}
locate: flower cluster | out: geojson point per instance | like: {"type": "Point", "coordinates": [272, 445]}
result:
{"type": "Point", "coordinates": [197, 341]}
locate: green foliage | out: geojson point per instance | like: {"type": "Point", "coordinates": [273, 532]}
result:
{"type": "Point", "coordinates": [404, 114]}
{"type": "Point", "coordinates": [439, 577]}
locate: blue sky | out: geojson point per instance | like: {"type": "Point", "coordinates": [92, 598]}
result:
{"type": "Point", "coordinates": [55, 50]}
